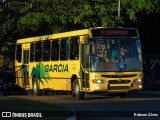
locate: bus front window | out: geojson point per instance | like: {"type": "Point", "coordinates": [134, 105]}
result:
{"type": "Point", "coordinates": [115, 55]}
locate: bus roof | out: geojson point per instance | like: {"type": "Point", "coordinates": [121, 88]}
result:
{"type": "Point", "coordinates": [55, 36]}
{"type": "Point", "coordinates": [65, 34]}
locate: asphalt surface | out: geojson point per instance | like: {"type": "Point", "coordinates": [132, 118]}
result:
{"type": "Point", "coordinates": [102, 107]}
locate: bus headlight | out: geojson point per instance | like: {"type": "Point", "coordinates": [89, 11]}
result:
{"type": "Point", "coordinates": [99, 81]}
{"type": "Point", "coordinates": [137, 80]}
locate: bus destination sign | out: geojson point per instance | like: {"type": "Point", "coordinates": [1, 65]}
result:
{"type": "Point", "coordinates": [114, 32]}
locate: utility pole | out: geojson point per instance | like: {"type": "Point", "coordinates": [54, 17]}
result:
{"type": "Point", "coordinates": [119, 7]}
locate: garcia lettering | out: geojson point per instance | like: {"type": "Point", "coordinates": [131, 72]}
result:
{"type": "Point", "coordinates": [56, 68]}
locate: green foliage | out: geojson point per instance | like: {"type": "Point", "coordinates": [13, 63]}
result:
{"type": "Point", "coordinates": [19, 19]}
{"type": "Point", "coordinates": [132, 8]}
{"type": "Point", "coordinates": [33, 23]}
{"type": "Point", "coordinates": [47, 16]}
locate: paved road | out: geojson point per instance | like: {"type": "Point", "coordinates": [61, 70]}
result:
{"type": "Point", "coordinates": [104, 107]}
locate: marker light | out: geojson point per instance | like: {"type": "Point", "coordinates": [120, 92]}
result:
{"type": "Point", "coordinates": [99, 81]}
{"type": "Point", "coordinates": [137, 80]}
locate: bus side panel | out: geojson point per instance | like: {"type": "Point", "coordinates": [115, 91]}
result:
{"type": "Point", "coordinates": [54, 75]}
{"type": "Point", "coordinates": [61, 73]}
{"type": "Point", "coordinates": [39, 69]}
{"type": "Point", "coordinates": [72, 68]}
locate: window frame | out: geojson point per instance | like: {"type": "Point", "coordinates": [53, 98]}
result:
{"type": "Point", "coordinates": [48, 50]}
{"type": "Point", "coordinates": [55, 50]}
{"type": "Point", "coordinates": [74, 48]}
{"type": "Point", "coordinates": [64, 53]}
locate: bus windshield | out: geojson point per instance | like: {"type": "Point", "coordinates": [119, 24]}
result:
{"type": "Point", "coordinates": [115, 54]}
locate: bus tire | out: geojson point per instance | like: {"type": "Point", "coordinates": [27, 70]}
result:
{"type": "Point", "coordinates": [76, 91]}
{"type": "Point", "coordinates": [73, 89]}
{"type": "Point", "coordinates": [36, 90]}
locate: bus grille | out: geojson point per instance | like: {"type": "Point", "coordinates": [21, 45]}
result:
{"type": "Point", "coordinates": [119, 81]}
{"type": "Point", "coordinates": [119, 88]}
{"type": "Point", "coordinates": [119, 76]}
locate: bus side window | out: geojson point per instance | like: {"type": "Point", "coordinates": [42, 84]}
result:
{"type": "Point", "coordinates": [38, 52]}
{"type": "Point", "coordinates": [55, 50]}
{"type": "Point", "coordinates": [32, 52]}
{"type": "Point", "coordinates": [46, 50]}
{"type": "Point", "coordinates": [64, 49]}
{"type": "Point", "coordinates": [74, 48]}
{"type": "Point", "coordinates": [19, 53]}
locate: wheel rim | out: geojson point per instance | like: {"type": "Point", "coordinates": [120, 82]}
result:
{"type": "Point", "coordinates": [76, 89]}
{"type": "Point", "coordinates": [34, 87]}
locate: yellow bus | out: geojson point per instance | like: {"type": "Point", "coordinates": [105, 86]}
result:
{"type": "Point", "coordinates": [82, 61]}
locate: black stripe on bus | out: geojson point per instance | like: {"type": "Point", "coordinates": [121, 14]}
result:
{"type": "Point", "coordinates": [49, 77]}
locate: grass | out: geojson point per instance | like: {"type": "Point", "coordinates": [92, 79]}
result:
{"type": "Point", "coordinates": [48, 111]}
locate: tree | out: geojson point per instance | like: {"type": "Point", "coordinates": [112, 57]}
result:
{"type": "Point", "coordinates": [26, 18]}
{"type": "Point", "coordinates": [65, 15]}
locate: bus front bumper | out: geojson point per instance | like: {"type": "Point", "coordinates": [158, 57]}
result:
{"type": "Point", "coordinates": [114, 88]}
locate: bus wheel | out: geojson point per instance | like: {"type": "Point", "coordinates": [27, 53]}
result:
{"type": "Point", "coordinates": [36, 90]}
{"type": "Point", "coordinates": [76, 91]}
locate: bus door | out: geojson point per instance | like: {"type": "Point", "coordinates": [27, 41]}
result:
{"type": "Point", "coordinates": [25, 66]}
{"type": "Point", "coordinates": [84, 65]}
